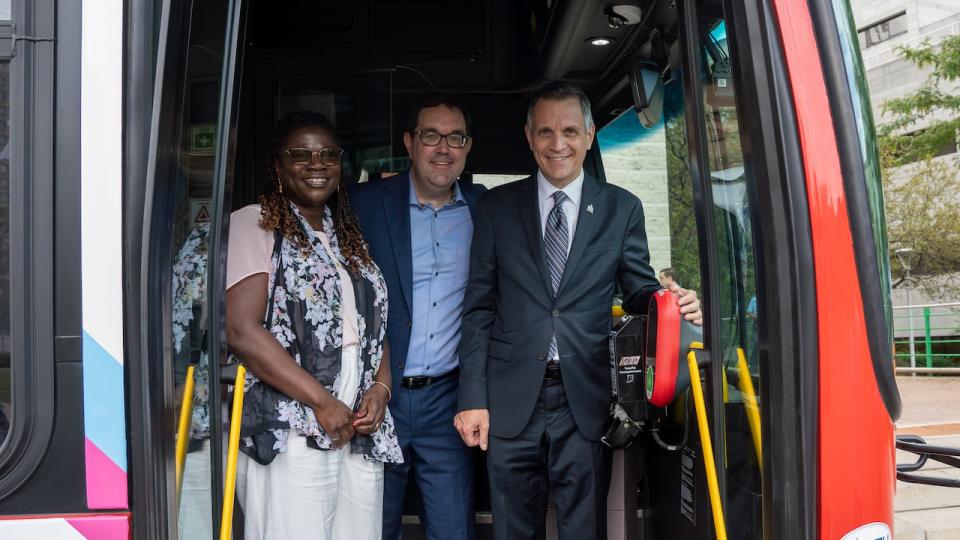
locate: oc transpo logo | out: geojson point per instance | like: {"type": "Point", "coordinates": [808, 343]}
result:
{"type": "Point", "coordinates": [873, 531]}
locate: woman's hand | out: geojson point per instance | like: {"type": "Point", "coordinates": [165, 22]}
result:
{"type": "Point", "coordinates": [373, 407]}
{"type": "Point", "coordinates": [337, 420]}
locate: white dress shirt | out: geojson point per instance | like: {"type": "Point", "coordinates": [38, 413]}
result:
{"type": "Point", "coordinates": [571, 207]}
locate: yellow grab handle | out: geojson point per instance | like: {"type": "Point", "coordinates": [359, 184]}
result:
{"type": "Point", "coordinates": [183, 426]}
{"type": "Point", "coordinates": [618, 311]}
{"type": "Point", "coordinates": [233, 447]}
{"type": "Point", "coordinates": [750, 404]}
{"type": "Point", "coordinates": [708, 462]}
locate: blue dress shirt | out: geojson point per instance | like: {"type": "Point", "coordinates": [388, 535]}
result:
{"type": "Point", "coordinates": [440, 246]}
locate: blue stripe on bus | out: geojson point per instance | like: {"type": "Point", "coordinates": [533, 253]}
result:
{"type": "Point", "coordinates": [103, 404]}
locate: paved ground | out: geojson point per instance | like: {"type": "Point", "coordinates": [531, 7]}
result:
{"type": "Point", "coordinates": [931, 409]}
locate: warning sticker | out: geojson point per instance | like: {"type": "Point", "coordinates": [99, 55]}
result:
{"type": "Point", "coordinates": [688, 486]}
{"type": "Point", "coordinates": [199, 212]}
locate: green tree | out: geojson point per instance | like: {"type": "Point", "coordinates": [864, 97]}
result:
{"type": "Point", "coordinates": [922, 193]}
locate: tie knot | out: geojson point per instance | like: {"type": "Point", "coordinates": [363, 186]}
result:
{"type": "Point", "coordinates": [559, 197]}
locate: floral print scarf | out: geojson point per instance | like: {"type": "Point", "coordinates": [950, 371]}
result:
{"type": "Point", "coordinates": [304, 315]}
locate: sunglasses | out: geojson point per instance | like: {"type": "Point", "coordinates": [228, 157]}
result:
{"type": "Point", "coordinates": [328, 155]}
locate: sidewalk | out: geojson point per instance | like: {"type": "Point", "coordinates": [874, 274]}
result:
{"type": "Point", "coordinates": [931, 410]}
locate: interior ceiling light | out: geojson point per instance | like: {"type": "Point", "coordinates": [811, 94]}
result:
{"type": "Point", "coordinates": [600, 41]}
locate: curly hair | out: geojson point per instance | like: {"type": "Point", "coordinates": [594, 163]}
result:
{"type": "Point", "coordinates": [275, 212]}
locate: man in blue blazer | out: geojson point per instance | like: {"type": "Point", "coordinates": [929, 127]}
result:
{"type": "Point", "coordinates": [419, 225]}
{"type": "Point", "coordinates": [547, 254]}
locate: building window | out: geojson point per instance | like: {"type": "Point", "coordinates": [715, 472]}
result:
{"type": "Point", "coordinates": [883, 30]}
{"type": "Point", "coordinates": [5, 10]}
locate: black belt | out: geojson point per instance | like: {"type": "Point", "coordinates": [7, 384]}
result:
{"type": "Point", "coordinates": [421, 381]}
{"type": "Point", "coordinates": [552, 372]}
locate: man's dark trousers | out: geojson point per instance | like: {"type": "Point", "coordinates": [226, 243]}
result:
{"type": "Point", "coordinates": [441, 464]}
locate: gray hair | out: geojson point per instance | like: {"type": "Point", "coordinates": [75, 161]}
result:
{"type": "Point", "coordinates": [559, 91]}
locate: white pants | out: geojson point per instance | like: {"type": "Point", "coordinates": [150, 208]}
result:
{"type": "Point", "coordinates": [314, 494]}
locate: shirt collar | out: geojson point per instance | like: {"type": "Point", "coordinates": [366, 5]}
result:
{"type": "Point", "coordinates": [458, 197]}
{"type": "Point", "coordinates": [573, 190]}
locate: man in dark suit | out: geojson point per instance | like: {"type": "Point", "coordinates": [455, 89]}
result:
{"type": "Point", "coordinates": [547, 254]}
{"type": "Point", "coordinates": [418, 225]}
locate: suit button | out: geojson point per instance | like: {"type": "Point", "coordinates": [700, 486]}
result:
{"type": "Point", "coordinates": [409, 324]}
{"type": "Point", "coordinates": [556, 314]}
{"type": "Point", "coordinates": [542, 356]}
{"type": "Point", "coordinates": [400, 365]}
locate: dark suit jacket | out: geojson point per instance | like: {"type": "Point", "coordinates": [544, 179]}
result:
{"type": "Point", "coordinates": [510, 313]}
{"type": "Point", "coordinates": [383, 209]}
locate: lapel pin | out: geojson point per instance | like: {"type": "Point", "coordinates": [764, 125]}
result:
{"type": "Point", "coordinates": [590, 208]}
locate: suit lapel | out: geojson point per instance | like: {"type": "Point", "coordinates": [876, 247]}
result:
{"type": "Point", "coordinates": [529, 208]}
{"type": "Point", "coordinates": [396, 208]}
{"type": "Point", "coordinates": [586, 221]}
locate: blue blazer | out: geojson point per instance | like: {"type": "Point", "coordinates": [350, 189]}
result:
{"type": "Point", "coordinates": [383, 209]}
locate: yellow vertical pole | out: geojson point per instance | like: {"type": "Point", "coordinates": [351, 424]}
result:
{"type": "Point", "coordinates": [750, 404]}
{"type": "Point", "coordinates": [233, 447]}
{"type": "Point", "coordinates": [708, 462]}
{"type": "Point", "coordinates": [183, 426]}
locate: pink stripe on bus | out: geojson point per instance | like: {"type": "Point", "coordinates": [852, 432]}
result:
{"type": "Point", "coordinates": [106, 482]}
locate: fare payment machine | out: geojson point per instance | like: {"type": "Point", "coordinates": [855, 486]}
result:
{"type": "Point", "coordinates": [655, 363]}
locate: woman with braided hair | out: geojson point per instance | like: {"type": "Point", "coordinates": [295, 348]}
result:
{"type": "Point", "coordinates": [306, 314]}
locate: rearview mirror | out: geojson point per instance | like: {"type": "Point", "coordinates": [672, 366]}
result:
{"type": "Point", "coordinates": [646, 86]}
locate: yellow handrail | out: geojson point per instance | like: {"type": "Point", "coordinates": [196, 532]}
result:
{"type": "Point", "coordinates": [183, 426]}
{"type": "Point", "coordinates": [708, 463]}
{"type": "Point", "coordinates": [233, 447]}
{"type": "Point", "coordinates": [750, 404]}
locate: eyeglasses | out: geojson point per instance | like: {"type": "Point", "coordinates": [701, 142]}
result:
{"type": "Point", "coordinates": [328, 155]}
{"type": "Point", "coordinates": [430, 137]}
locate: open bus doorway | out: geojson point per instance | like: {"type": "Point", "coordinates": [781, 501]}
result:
{"type": "Point", "coordinates": [690, 155]}
{"type": "Point", "coordinates": [353, 65]}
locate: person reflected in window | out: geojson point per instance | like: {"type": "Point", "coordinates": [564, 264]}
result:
{"type": "Point", "coordinates": [419, 225]}
{"type": "Point", "coordinates": [668, 277]}
{"type": "Point", "coordinates": [306, 314]}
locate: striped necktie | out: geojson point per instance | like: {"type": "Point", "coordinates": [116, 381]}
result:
{"type": "Point", "coordinates": [555, 241]}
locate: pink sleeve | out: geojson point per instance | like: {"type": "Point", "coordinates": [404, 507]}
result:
{"type": "Point", "coordinates": [250, 246]}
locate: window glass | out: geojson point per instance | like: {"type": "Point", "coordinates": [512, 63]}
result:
{"type": "Point", "coordinates": [4, 246]}
{"type": "Point", "coordinates": [494, 180]}
{"type": "Point", "coordinates": [735, 301]}
{"type": "Point", "coordinates": [652, 164]}
{"type": "Point", "coordinates": [5, 10]}
{"type": "Point", "coordinates": [883, 30]}
{"type": "Point", "coordinates": [192, 180]}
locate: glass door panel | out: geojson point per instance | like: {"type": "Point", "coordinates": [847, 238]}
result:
{"type": "Point", "coordinates": [189, 184]}
{"type": "Point", "coordinates": [734, 302]}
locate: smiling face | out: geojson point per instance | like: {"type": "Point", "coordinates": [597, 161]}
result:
{"type": "Point", "coordinates": [559, 139]}
{"type": "Point", "coordinates": [308, 185]}
{"type": "Point", "coordinates": [436, 168]}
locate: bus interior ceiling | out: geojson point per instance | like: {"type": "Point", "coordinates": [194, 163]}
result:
{"type": "Point", "coordinates": [365, 63]}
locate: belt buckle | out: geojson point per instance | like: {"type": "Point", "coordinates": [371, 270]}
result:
{"type": "Point", "coordinates": [552, 372]}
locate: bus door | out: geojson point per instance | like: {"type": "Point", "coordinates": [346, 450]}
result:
{"type": "Point", "coordinates": [685, 161]}
{"type": "Point", "coordinates": [180, 463]}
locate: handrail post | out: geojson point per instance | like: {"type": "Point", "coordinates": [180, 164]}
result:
{"type": "Point", "coordinates": [928, 345]}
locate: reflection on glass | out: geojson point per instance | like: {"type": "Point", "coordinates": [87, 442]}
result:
{"type": "Point", "coordinates": [736, 298]}
{"type": "Point", "coordinates": [4, 245]}
{"type": "Point", "coordinates": [191, 227]}
{"type": "Point", "coordinates": [652, 164]}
